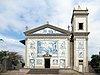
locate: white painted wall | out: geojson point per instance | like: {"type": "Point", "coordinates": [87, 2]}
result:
{"type": "Point", "coordinates": [80, 20]}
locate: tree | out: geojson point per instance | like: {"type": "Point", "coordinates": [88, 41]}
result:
{"type": "Point", "coordinates": [2, 55]}
{"type": "Point", "coordinates": [12, 58]}
{"type": "Point", "coordinates": [95, 61]}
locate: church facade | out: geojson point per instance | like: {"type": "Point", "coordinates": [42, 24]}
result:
{"type": "Point", "coordinates": [51, 47]}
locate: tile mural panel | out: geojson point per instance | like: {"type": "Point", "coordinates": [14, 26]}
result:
{"type": "Point", "coordinates": [80, 54]}
{"type": "Point", "coordinates": [47, 31]}
{"type": "Point", "coordinates": [32, 45]}
{"type": "Point", "coordinates": [52, 47]}
{"type": "Point", "coordinates": [32, 63]}
{"type": "Point", "coordinates": [39, 61]}
{"type": "Point", "coordinates": [55, 61]}
{"type": "Point", "coordinates": [62, 44]}
{"type": "Point", "coordinates": [49, 47]}
{"type": "Point", "coordinates": [62, 53]}
{"type": "Point", "coordinates": [32, 54]}
{"type": "Point", "coordinates": [62, 48]}
{"type": "Point", "coordinates": [62, 63]}
{"type": "Point", "coordinates": [80, 44]}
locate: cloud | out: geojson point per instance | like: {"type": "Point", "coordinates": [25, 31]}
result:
{"type": "Point", "coordinates": [10, 44]}
{"type": "Point", "coordinates": [16, 14]}
{"type": "Point", "coordinates": [33, 12]}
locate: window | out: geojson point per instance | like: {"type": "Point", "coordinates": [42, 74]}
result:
{"type": "Point", "coordinates": [80, 60]}
{"type": "Point", "coordinates": [80, 26]}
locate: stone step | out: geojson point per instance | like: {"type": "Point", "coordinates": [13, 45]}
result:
{"type": "Point", "coordinates": [91, 74]}
{"type": "Point", "coordinates": [80, 74]}
{"type": "Point", "coordinates": [67, 71]}
{"type": "Point", "coordinates": [43, 71]}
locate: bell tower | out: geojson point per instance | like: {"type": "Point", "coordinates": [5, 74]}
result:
{"type": "Point", "coordinates": [80, 34]}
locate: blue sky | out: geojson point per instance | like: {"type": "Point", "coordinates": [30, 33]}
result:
{"type": "Point", "coordinates": [16, 14]}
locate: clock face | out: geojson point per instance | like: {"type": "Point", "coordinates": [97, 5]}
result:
{"type": "Point", "coordinates": [80, 44]}
{"type": "Point", "coordinates": [80, 54]}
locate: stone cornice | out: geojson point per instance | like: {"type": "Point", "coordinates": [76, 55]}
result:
{"type": "Point", "coordinates": [47, 37]}
{"type": "Point", "coordinates": [68, 34]}
{"type": "Point", "coordinates": [81, 33]}
{"type": "Point", "coordinates": [81, 38]}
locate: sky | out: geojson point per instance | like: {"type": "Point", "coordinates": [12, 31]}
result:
{"type": "Point", "coordinates": [15, 15]}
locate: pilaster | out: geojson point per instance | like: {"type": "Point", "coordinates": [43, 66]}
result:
{"type": "Point", "coordinates": [69, 55]}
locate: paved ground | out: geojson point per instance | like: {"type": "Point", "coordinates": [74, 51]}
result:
{"type": "Point", "coordinates": [16, 72]}
{"type": "Point", "coordinates": [25, 71]}
{"type": "Point", "coordinates": [22, 72]}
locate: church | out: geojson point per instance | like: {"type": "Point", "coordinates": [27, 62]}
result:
{"type": "Point", "coordinates": [52, 47]}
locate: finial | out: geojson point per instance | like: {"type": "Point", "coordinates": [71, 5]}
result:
{"type": "Point", "coordinates": [26, 27]}
{"type": "Point", "coordinates": [86, 8]}
{"type": "Point", "coordinates": [79, 8]}
{"type": "Point", "coordinates": [74, 8]}
{"type": "Point", "coordinates": [47, 22]}
{"type": "Point", "coordinates": [47, 19]}
{"type": "Point", "coordinates": [68, 28]}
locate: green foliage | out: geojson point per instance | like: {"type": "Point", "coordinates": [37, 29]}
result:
{"type": "Point", "coordinates": [13, 58]}
{"type": "Point", "coordinates": [3, 54]}
{"type": "Point", "coordinates": [95, 61]}
{"type": "Point", "coordinates": [97, 69]}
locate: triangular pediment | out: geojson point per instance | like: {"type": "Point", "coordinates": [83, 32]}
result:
{"type": "Point", "coordinates": [46, 29]}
